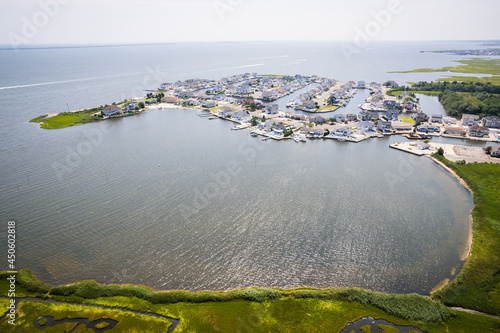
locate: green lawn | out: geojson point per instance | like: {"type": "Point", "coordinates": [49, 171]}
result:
{"type": "Point", "coordinates": [407, 120]}
{"type": "Point", "coordinates": [67, 119]}
{"type": "Point", "coordinates": [478, 284]}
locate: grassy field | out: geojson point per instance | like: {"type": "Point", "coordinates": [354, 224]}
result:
{"type": "Point", "coordinates": [470, 66]}
{"type": "Point", "coordinates": [328, 108]}
{"type": "Point", "coordinates": [399, 92]}
{"type": "Point", "coordinates": [485, 79]}
{"type": "Point", "coordinates": [29, 311]}
{"type": "Point", "coordinates": [279, 315]}
{"type": "Point", "coordinates": [478, 284]}
{"type": "Point", "coordinates": [407, 120]}
{"type": "Point", "coordinates": [247, 310]}
{"type": "Point", "coordinates": [426, 70]}
{"type": "Point", "coordinates": [67, 119]}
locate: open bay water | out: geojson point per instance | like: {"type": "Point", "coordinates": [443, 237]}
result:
{"type": "Point", "coordinates": [174, 201]}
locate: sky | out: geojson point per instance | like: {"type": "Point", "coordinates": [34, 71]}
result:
{"type": "Point", "coordinates": [49, 22]}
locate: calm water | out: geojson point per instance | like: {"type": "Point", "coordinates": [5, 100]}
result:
{"type": "Point", "coordinates": [174, 201]}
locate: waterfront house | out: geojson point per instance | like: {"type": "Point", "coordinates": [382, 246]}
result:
{"type": "Point", "coordinates": [209, 104]}
{"type": "Point", "coordinates": [130, 107]}
{"type": "Point", "coordinates": [279, 129]}
{"type": "Point", "coordinates": [404, 95]}
{"type": "Point", "coordinates": [342, 131]}
{"type": "Point", "coordinates": [427, 129]}
{"type": "Point", "coordinates": [391, 84]}
{"type": "Point", "coordinates": [409, 106]}
{"type": "Point", "coordinates": [478, 131]}
{"type": "Point", "coordinates": [269, 124]}
{"type": "Point", "coordinates": [454, 130]}
{"type": "Point", "coordinates": [340, 118]}
{"type": "Point", "coordinates": [491, 122]}
{"type": "Point", "coordinates": [420, 117]}
{"type": "Point", "coordinates": [495, 151]}
{"type": "Point", "coordinates": [384, 126]}
{"type": "Point", "coordinates": [392, 114]}
{"type": "Point", "coordinates": [437, 118]}
{"type": "Point", "coordinates": [272, 108]}
{"type": "Point", "coordinates": [170, 100]}
{"type": "Point", "coordinates": [317, 120]}
{"type": "Point", "coordinates": [351, 117]}
{"type": "Point", "coordinates": [402, 127]}
{"type": "Point", "coordinates": [367, 115]}
{"type": "Point", "coordinates": [111, 110]}
{"type": "Point", "coordinates": [269, 95]}
{"type": "Point", "coordinates": [192, 102]}
{"type": "Point", "coordinates": [361, 85]}
{"type": "Point", "coordinates": [470, 120]}
{"type": "Point", "coordinates": [317, 132]}
{"type": "Point", "coordinates": [390, 104]}
{"type": "Point", "coordinates": [225, 112]}
{"type": "Point", "coordinates": [449, 120]}
{"type": "Point", "coordinates": [365, 126]}
{"type": "Point", "coordinates": [241, 116]}
{"type": "Point", "coordinates": [310, 105]}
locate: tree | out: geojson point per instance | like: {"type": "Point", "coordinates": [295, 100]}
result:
{"type": "Point", "coordinates": [440, 151]}
{"type": "Point", "coordinates": [254, 121]}
{"type": "Point", "coordinates": [141, 105]}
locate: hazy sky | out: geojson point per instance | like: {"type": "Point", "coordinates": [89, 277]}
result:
{"type": "Point", "coordinates": [30, 22]}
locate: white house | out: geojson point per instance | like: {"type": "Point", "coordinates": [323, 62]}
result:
{"type": "Point", "coordinates": [365, 126]}
{"type": "Point", "coordinates": [272, 109]}
{"type": "Point", "coordinates": [111, 110]}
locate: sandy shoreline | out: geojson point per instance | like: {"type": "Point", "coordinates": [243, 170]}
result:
{"type": "Point", "coordinates": [466, 253]}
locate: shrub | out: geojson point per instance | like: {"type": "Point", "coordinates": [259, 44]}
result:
{"type": "Point", "coordinates": [28, 282]}
{"type": "Point", "coordinates": [408, 307]}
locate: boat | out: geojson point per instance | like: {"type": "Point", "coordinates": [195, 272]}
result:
{"type": "Point", "coordinates": [254, 134]}
{"type": "Point", "coordinates": [212, 117]}
{"type": "Point", "coordinates": [265, 139]}
{"type": "Point", "coordinates": [381, 136]}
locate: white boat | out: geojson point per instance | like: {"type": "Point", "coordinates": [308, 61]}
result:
{"type": "Point", "coordinates": [254, 134]}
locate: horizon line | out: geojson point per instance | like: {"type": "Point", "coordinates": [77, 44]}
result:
{"type": "Point", "coordinates": [4, 47]}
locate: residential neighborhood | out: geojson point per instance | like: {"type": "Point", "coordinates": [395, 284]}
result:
{"type": "Point", "coordinates": [251, 101]}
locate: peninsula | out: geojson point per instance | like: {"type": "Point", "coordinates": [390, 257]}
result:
{"type": "Point", "coordinates": [250, 101]}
